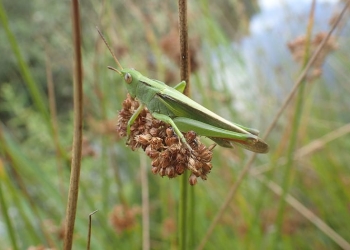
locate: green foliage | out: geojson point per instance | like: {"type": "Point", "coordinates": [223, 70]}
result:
{"type": "Point", "coordinates": [34, 164]}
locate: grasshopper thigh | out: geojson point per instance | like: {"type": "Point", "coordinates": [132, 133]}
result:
{"type": "Point", "coordinates": [170, 121]}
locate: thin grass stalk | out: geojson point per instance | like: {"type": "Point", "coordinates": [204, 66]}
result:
{"type": "Point", "coordinates": [18, 201]}
{"type": "Point", "coordinates": [60, 156]}
{"type": "Point", "coordinates": [247, 166]}
{"type": "Point", "coordinates": [306, 150]}
{"type": "Point", "coordinates": [308, 214]}
{"type": "Point", "coordinates": [78, 129]}
{"type": "Point", "coordinates": [18, 165]}
{"type": "Point", "coordinates": [182, 226]}
{"type": "Point", "coordinates": [89, 232]}
{"type": "Point", "coordinates": [287, 173]}
{"type": "Point", "coordinates": [104, 173]}
{"type": "Point", "coordinates": [35, 210]}
{"type": "Point", "coordinates": [8, 223]}
{"type": "Point", "coordinates": [3, 203]}
{"type": "Point", "coordinates": [39, 99]}
{"type": "Point", "coordinates": [25, 218]}
{"type": "Point", "coordinates": [185, 76]}
{"type": "Point", "coordinates": [151, 38]}
{"type": "Point", "coordinates": [192, 219]}
{"type": "Point", "coordinates": [101, 218]}
{"type": "Point", "coordinates": [106, 142]}
{"type": "Point", "coordinates": [145, 204]}
{"type": "Point", "coordinates": [113, 18]}
{"type": "Point", "coordinates": [116, 171]}
{"type": "Point", "coordinates": [321, 142]}
{"type": "Point", "coordinates": [35, 92]}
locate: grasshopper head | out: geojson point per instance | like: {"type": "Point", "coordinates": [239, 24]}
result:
{"type": "Point", "coordinates": [131, 78]}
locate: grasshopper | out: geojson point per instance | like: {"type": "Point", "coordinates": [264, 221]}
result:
{"type": "Point", "coordinates": [170, 105]}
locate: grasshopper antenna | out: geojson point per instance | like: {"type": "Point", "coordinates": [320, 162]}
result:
{"type": "Point", "coordinates": [110, 50]}
{"type": "Point", "coordinates": [114, 69]}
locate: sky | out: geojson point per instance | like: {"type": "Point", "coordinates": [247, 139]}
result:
{"type": "Point", "coordinates": [273, 11]}
{"type": "Point", "coordinates": [267, 4]}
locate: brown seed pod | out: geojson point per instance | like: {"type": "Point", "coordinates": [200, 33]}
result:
{"type": "Point", "coordinates": [192, 180]}
{"type": "Point", "coordinates": [169, 156]}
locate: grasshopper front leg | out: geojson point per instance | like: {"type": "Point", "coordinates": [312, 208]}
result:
{"type": "Point", "coordinates": [168, 120]}
{"type": "Point", "coordinates": [133, 118]}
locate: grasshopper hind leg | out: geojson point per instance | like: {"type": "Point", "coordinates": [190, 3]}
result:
{"type": "Point", "coordinates": [170, 121]}
{"type": "Point", "coordinates": [222, 142]}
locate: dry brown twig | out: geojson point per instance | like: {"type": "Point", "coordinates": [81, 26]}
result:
{"type": "Point", "coordinates": [78, 130]}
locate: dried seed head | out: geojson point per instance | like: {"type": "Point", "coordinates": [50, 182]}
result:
{"type": "Point", "coordinates": [298, 45]}
{"type": "Point", "coordinates": [190, 136]}
{"type": "Point", "coordinates": [143, 139]}
{"type": "Point", "coordinates": [155, 170]}
{"type": "Point", "coordinates": [180, 168]}
{"type": "Point", "coordinates": [170, 172]}
{"type": "Point", "coordinates": [156, 143]}
{"type": "Point", "coordinates": [123, 218]}
{"type": "Point", "coordinates": [180, 158]}
{"type": "Point", "coordinates": [171, 140]}
{"type": "Point", "coordinates": [192, 180]}
{"type": "Point", "coordinates": [153, 131]}
{"type": "Point", "coordinates": [169, 132]}
{"type": "Point", "coordinates": [162, 172]}
{"type": "Point", "coordinates": [151, 152]}
{"type": "Point", "coordinates": [169, 156]}
{"type": "Point", "coordinates": [155, 162]}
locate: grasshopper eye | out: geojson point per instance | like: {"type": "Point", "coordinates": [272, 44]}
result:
{"type": "Point", "coordinates": [128, 78]}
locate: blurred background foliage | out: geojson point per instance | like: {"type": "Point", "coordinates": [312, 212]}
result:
{"type": "Point", "coordinates": [244, 62]}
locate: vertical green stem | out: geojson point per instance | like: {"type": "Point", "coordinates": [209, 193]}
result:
{"type": "Point", "coordinates": [185, 75]}
{"type": "Point", "coordinates": [36, 94]}
{"type": "Point", "coordinates": [146, 245]}
{"type": "Point", "coordinates": [39, 99]}
{"type": "Point", "coordinates": [183, 211]}
{"type": "Point", "coordinates": [192, 236]}
{"type": "Point", "coordinates": [287, 175]}
{"type": "Point", "coordinates": [6, 217]}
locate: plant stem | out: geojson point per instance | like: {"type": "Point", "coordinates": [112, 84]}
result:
{"type": "Point", "coordinates": [35, 92]}
{"type": "Point", "coordinates": [78, 130]}
{"type": "Point", "coordinates": [5, 215]}
{"type": "Point", "coordinates": [184, 68]}
{"type": "Point", "coordinates": [287, 173]}
{"type": "Point", "coordinates": [145, 204]}
{"type": "Point", "coordinates": [184, 51]}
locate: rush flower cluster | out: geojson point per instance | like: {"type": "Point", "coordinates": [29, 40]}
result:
{"type": "Point", "coordinates": [169, 156]}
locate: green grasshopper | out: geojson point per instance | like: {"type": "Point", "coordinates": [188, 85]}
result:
{"type": "Point", "coordinates": [171, 106]}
